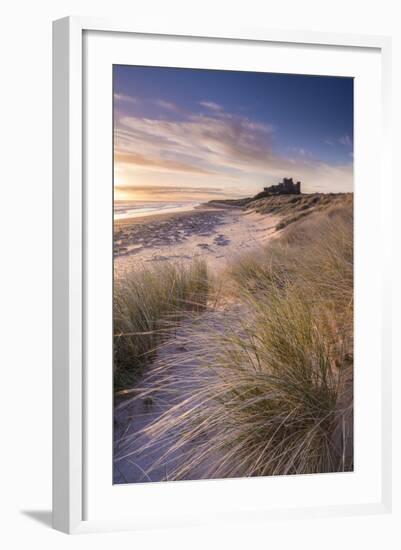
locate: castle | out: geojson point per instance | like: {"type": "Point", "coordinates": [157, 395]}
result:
{"type": "Point", "coordinates": [287, 187]}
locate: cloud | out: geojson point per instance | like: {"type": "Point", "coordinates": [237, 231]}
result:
{"type": "Point", "coordinates": [211, 105]}
{"type": "Point", "coordinates": [169, 190]}
{"type": "Point", "coordinates": [235, 152]}
{"type": "Point", "coordinates": [168, 105]}
{"type": "Point", "coordinates": [300, 152]}
{"type": "Point", "coordinates": [126, 98]}
{"type": "Point", "coordinates": [156, 163]}
{"type": "Point", "coordinates": [345, 140]}
{"type": "Point", "coordinates": [210, 142]}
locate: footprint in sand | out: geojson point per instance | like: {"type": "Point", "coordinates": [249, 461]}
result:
{"type": "Point", "coordinates": [221, 240]}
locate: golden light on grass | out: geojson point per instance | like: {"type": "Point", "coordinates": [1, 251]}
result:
{"type": "Point", "coordinates": [264, 386]}
{"type": "Point", "coordinates": [147, 304]}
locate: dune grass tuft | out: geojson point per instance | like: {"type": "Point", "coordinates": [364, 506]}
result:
{"type": "Point", "coordinates": [147, 304]}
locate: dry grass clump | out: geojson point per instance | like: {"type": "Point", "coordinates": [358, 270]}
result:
{"type": "Point", "coordinates": [147, 303]}
{"type": "Point", "coordinates": [268, 386]}
{"type": "Point", "coordinates": [315, 255]}
{"type": "Point", "coordinates": [293, 208]}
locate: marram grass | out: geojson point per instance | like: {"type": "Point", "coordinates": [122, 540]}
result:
{"type": "Point", "coordinates": [268, 383]}
{"type": "Point", "coordinates": [147, 304]}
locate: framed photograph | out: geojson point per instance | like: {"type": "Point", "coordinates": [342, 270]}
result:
{"type": "Point", "coordinates": [221, 302]}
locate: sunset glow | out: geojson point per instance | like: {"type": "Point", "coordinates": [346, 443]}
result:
{"type": "Point", "coordinates": [183, 134]}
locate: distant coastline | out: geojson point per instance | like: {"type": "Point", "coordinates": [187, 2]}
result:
{"type": "Point", "coordinates": [135, 209]}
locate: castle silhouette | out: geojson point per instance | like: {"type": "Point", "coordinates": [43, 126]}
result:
{"type": "Point", "coordinates": [286, 187]}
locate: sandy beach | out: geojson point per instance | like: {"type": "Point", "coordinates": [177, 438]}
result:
{"type": "Point", "coordinates": [217, 235]}
{"type": "Point", "coordinates": [167, 422]}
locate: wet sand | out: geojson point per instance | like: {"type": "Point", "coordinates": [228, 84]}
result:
{"type": "Point", "coordinates": [217, 235]}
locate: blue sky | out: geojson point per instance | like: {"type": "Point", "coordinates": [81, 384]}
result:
{"type": "Point", "coordinates": [199, 134]}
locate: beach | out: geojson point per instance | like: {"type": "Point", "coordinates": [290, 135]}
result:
{"type": "Point", "coordinates": [216, 235]}
{"type": "Point", "coordinates": [202, 368]}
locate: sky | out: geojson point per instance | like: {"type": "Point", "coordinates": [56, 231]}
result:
{"type": "Point", "coordinates": [191, 134]}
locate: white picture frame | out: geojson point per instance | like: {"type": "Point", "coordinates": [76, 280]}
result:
{"type": "Point", "coordinates": [70, 258]}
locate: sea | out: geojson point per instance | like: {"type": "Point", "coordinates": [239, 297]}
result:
{"type": "Point", "coordinates": [137, 209]}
